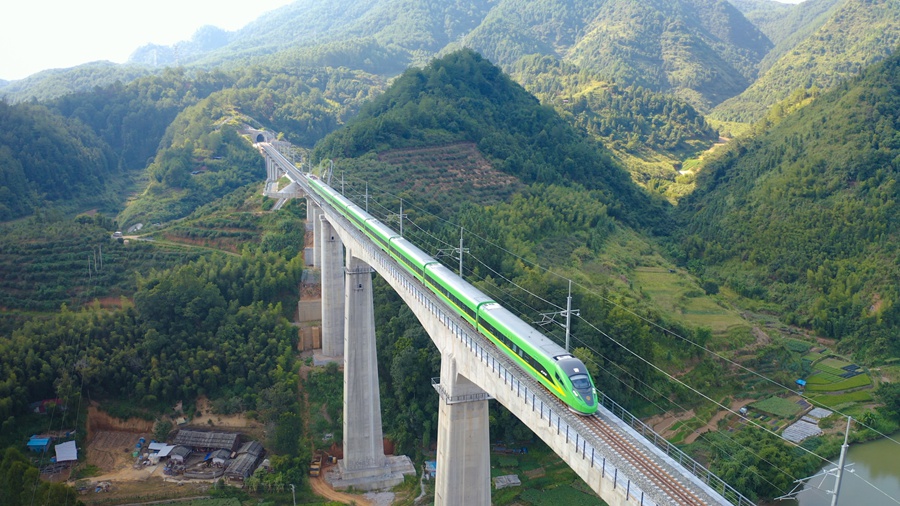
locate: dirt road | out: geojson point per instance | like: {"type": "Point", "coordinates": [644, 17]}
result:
{"type": "Point", "coordinates": [323, 489]}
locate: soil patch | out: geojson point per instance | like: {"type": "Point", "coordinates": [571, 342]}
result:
{"type": "Point", "coordinates": [99, 421]}
{"type": "Point", "coordinates": [321, 488]}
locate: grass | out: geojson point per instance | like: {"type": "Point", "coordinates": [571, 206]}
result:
{"type": "Point", "coordinates": [777, 406]}
{"type": "Point", "coordinates": [558, 496]}
{"type": "Point", "coordinates": [835, 363]}
{"type": "Point", "coordinates": [797, 346]}
{"type": "Point", "coordinates": [823, 382]}
{"type": "Point", "coordinates": [831, 401]}
{"type": "Point", "coordinates": [680, 296]}
{"type": "Point", "coordinates": [813, 357]}
{"type": "Point", "coordinates": [557, 483]}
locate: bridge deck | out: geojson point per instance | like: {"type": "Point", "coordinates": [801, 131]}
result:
{"type": "Point", "coordinates": [609, 445]}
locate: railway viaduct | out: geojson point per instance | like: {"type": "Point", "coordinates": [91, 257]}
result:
{"type": "Point", "coordinates": [614, 453]}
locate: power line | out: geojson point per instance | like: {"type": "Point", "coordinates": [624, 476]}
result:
{"type": "Point", "coordinates": [649, 322]}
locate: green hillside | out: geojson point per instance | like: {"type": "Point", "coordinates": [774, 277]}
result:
{"type": "Point", "coordinates": [790, 28]}
{"type": "Point", "coordinates": [652, 132]}
{"type": "Point", "coordinates": [766, 15]}
{"type": "Point", "coordinates": [702, 50]}
{"type": "Point", "coordinates": [464, 98]}
{"type": "Point", "coordinates": [52, 83]}
{"type": "Point", "coordinates": [856, 34]}
{"type": "Point", "coordinates": [805, 215]}
{"type": "Point", "coordinates": [46, 158]}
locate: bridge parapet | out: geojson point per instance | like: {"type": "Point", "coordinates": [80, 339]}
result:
{"type": "Point", "coordinates": [606, 471]}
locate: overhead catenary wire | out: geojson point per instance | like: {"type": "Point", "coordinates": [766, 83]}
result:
{"type": "Point", "coordinates": [702, 435]}
{"type": "Point", "coordinates": [654, 324]}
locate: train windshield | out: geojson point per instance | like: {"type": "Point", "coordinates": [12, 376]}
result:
{"type": "Point", "coordinates": [580, 382]}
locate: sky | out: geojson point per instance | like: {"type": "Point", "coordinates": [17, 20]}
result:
{"type": "Point", "coordinates": [45, 34]}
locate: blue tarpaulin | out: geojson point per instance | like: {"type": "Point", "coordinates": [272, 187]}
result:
{"type": "Point", "coordinates": [37, 444]}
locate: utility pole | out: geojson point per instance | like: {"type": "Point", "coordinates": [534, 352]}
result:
{"type": "Point", "coordinates": [400, 217]}
{"type": "Point", "coordinates": [454, 251]}
{"type": "Point", "coordinates": [568, 312]}
{"type": "Point", "coordinates": [293, 495]}
{"type": "Point", "coordinates": [840, 469]}
{"type": "Point", "coordinates": [569, 315]}
{"type": "Point", "coordinates": [838, 472]}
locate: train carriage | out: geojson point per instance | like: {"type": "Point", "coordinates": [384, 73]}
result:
{"type": "Point", "coordinates": [543, 359]}
{"type": "Point", "coordinates": [462, 296]}
{"type": "Point", "coordinates": [410, 257]}
{"type": "Point", "coordinates": [562, 374]}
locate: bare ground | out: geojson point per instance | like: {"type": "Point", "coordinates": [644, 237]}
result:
{"type": "Point", "coordinates": [323, 489]}
{"type": "Point", "coordinates": [110, 447]}
{"type": "Point", "coordinates": [663, 424]}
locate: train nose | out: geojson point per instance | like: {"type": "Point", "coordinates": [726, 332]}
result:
{"type": "Point", "coordinates": [588, 397]}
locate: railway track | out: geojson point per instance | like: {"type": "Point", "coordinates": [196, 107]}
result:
{"type": "Point", "coordinates": [673, 488]}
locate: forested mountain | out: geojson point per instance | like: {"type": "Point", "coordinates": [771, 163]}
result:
{"type": "Point", "coordinates": [765, 14]}
{"type": "Point", "coordinates": [795, 26]}
{"type": "Point", "coordinates": [464, 98]}
{"type": "Point", "coordinates": [856, 34]}
{"type": "Point", "coordinates": [46, 158]}
{"type": "Point", "coordinates": [806, 215]}
{"type": "Point", "coordinates": [205, 39]}
{"type": "Point", "coordinates": [702, 50]}
{"type": "Point", "coordinates": [629, 117]}
{"type": "Point", "coordinates": [201, 157]}
{"type": "Point", "coordinates": [49, 84]}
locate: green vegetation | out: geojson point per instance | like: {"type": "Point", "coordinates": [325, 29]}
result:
{"type": "Point", "coordinates": [324, 389]}
{"type": "Point", "coordinates": [803, 216]}
{"type": "Point", "coordinates": [462, 97]}
{"type": "Point", "coordinates": [559, 495]}
{"type": "Point", "coordinates": [684, 299]}
{"type": "Point", "coordinates": [650, 132]}
{"type": "Point", "coordinates": [777, 406]}
{"type": "Point", "coordinates": [795, 221]}
{"type": "Point", "coordinates": [46, 158]}
{"type": "Point", "coordinates": [758, 463]}
{"type": "Point", "coordinates": [545, 479]}
{"type": "Point", "coordinates": [847, 38]}
{"type": "Point", "coordinates": [20, 484]}
{"type": "Point", "coordinates": [625, 117]}
{"type": "Point", "coordinates": [677, 47]}
{"type": "Point", "coordinates": [798, 346]}
{"type": "Point", "coordinates": [839, 400]}
{"type": "Point", "coordinates": [824, 382]}
{"type": "Point", "coordinates": [48, 261]}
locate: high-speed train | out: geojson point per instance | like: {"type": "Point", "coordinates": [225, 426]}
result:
{"type": "Point", "coordinates": [561, 373]}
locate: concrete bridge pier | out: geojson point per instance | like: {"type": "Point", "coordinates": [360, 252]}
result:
{"type": "Point", "coordinates": [318, 236]}
{"type": "Point", "coordinates": [312, 216]}
{"type": "Point", "coordinates": [364, 466]}
{"type": "Point", "coordinates": [463, 445]}
{"type": "Point", "coordinates": [332, 282]}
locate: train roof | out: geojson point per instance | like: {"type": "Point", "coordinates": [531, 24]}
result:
{"type": "Point", "coordinates": [463, 289]}
{"type": "Point", "coordinates": [499, 316]}
{"type": "Point", "coordinates": [380, 228]}
{"type": "Point", "coordinates": [412, 251]}
{"type": "Point", "coordinates": [571, 365]}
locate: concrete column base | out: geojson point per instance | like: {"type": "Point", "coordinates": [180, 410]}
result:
{"type": "Point", "coordinates": [373, 478]}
